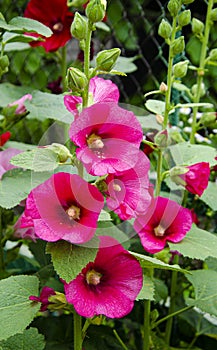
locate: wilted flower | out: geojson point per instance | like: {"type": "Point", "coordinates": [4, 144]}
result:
{"type": "Point", "coordinates": [108, 138]}
{"type": "Point", "coordinates": [4, 138]}
{"type": "Point", "coordinates": [109, 285]}
{"type": "Point", "coordinates": [5, 157]}
{"type": "Point", "coordinates": [164, 221]}
{"type": "Point", "coordinates": [46, 292]}
{"type": "Point", "coordinates": [63, 207]}
{"type": "Point", "coordinates": [55, 15]}
{"type": "Point", "coordinates": [21, 109]}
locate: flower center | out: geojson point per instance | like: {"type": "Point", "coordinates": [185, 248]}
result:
{"type": "Point", "coordinates": [93, 277]}
{"type": "Point", "coordinates": [116, 187]}
{"type": "Point", "coordinates": [58, 27]}
{"type": "Point", "coordinates": [95, 141]}
{"type": "Point", "coordinates": [73, 212]}
{"type": "Point", "coordinates": [159, 231]}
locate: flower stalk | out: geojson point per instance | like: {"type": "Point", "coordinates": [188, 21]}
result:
{"type": "Point", "coordinates": [1, 245]}
{"type": "Point", "coordinates": [87, 62]}
{"type": "Point", "coordinates": [63, 68]}
{"type": "Point", "coordinates": [77, 331]}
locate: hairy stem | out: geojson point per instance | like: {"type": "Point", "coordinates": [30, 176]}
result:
{"type": "Point", "coordinates": [77, 331]}
{"type": "Point", "coordinates": [1, 244]}
{"type": "Point", "coordinates": [156, 324]}
{"type": "Point", "coordinates": [159, 171]}
{"type": "Point", "coordinates": [63, 68]}
{"type": "Point", "coordinates": [147, 311]}
{"type": "Point", "coordinates": [87, 63]}
{"type": "Point", "coordinates": [119, 339]}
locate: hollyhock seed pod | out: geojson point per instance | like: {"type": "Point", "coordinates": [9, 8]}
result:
{"type": "Point", "coordinates": [76, 79]}
{"type": "Point", "coordinates": [184, 18]}
{"type": "Point", "coordinates": [174, 7]}
{"type": "Point", "coordinates": [178, 46]}
{"type": "Point", "coordinates": [79, 27]}
{"type": "Point", "coordinates": [197, 26]}
{"type": "Point", "coordinates": [180, 69]}
{"type": "Point", "coordinates": [106, 59]}
{"type": "Point", "coordinates": [95, 10]}
{"type": "Point", "coordinates": [213, 16]}
{"type": "Point", "coordinates": [213, 54]}
{"type": "Point", "coordinates": [165, 29]}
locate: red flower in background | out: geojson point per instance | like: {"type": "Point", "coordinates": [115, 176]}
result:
{"type": "Point", "coordinates": [4, 138]}
{"type": "Point", "coordinates": [46, 292]}
{"type": "Point", "coordinates": [197, 177]}
{"type": "Point", "coordinates": [55, 15]}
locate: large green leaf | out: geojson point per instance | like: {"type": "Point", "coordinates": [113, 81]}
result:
{"type": "Point", "coordinates": [147, 291]}
{"type": "Point", "coordinates": [16, 310]}
{"type": "Point", "coordinates": [69, 259]}
{"type": "Point", "coordinates": [30, 339]}
{"type": "Point", "coordinates": [39, 160]}
{"type": "Point", "coordinates": [10, 93]}
{"type": "Point", "coordinates": [197, 244]}
{"type": "Point", "coordinates": [205, 286]}
{"type": "Point", "coordinates": [30, 25]}
{"type": "Point", "coordinates": [210, 195]}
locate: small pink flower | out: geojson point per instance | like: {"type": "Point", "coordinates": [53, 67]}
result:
{"type": "Point", "coordinates": [5, 157]}
{"type": "Point", "coordinates": [108, 138]}
{"type": "Point", "coordinates": [4, 138]}
{"type": "Point", "coordinates": [109, 285]}
{"type": "Point", "coordinates": [100, 90]}
{"type": "Point", "coordinates": [128, 191]}
{"type": "Point", "coordinates": [164, 221]}
{"type": "Point", "coordinates": [21, 109]}
{"type": "Point", "coordinates": [63, 207]}
{"type": "Point", "coordinates": [197, 177]}
{"type": "Point", "coordinates": [46, 292]}
{"type": "Point", "coordinates": [24, 233]}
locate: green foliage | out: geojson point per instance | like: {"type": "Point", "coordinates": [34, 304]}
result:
{"type": "Point", "coordinates": [210, 195]}
{"type": "Point", "coordinates": [148, 289]}
{"type": "Point", "coordinates": [30, 339]}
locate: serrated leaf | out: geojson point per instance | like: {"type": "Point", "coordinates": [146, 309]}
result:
{"type": "Point", "coordinates": [149, 262]}
{"type": "Point", "coordinates": [30, 25]}
{"type": "Point", "coordinates": [147, 291]}
{"type": "Point", "coordinates": [30, 339]}
{"type": "Point", "coordinates": [69, 259]}
{"type": "Point", "coordinates": [39, 160]}
{"type": "Point", "coordinates": [10, 93]}
{"type": "Point", "coordinates": [210, 195]}
{"type": "Point", "coordinates": [16, 310]}
{"type": "Point", "coordinates": [205, 286]}
{"type": "Point", "coordinates": [197, 244]}
{"type": "Point", "coordinates": [104, 216]}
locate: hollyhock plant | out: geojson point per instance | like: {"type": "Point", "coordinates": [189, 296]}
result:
{"type": "Point", "coordinates": [46, 292]}
{"type": "Point", "coordinates": [4, 138]}
{"type": "Point", "coordinates": [5, 157]}
{"type": "Point", "coordinates": [21, 109]}
{"type": "Point", "coordinates": [128, 191]}
{"type": "Point", "coordinates": [55, 15]}
{"type": "Point", "coordinates": [100, 90]}
{"type": "Point", "coordinates": [63, 207]}
{"type": "Point", "coordinates": [165, 221]}
{"type": "Point", "coordinates": [109, 285]}
{"type": "Point", "coordinates": [108, 138]}
{"type": "Point", "coordinates": [24, 233]}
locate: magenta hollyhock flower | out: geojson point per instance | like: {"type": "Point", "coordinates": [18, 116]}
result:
{"type": "Point", "coordinates": [128, 191]}
{"type": "Point", "coordinates": [100, 90]}
{"type": "Point", "coordinates": [63, 207]}
{"type": "Point", "coordinates": [46, 292]}
{"type": "Point", "coordinates": [21, 109]}
{"type": "Point", "coordinates": [108, 138]}
{"type": "Point", "coordinates": [24, 233]}
{"type": "Point", "coordinates": [164, 221]}
{"type": "Point", "coordinates": [4, 138]}
{"type": "Point", "coordinates": [5, 157]}
{"type": "Point", "coordinates": [196, 178]}
{"type": "Point", "coordinates": [55, 15]}
{"type": "Point", "coordinates": [109, 285]}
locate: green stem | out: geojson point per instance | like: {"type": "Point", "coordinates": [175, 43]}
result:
{"type": "Point", "coordinates": [156, 324]}
{"type": "Point", "coordinates": [87, 63]}
{"type": "Point", "coordinates": [169, 76]}
{"type": "Point", "coordinates": [1, 244]}
{"type": "Point", "coordinates": [77, 332]}
{"type": "Point", "coordinates": [63, 68]}
{"type": "Point", "coordinates": [159, 170]}
{"type": "Point", "coordinates": [119, 339]}
{"type": "Point", "coordinates": [85, 327]}
{"type": "Point", "coordinates": [172, 302]}
{"type": "Point", "coordinates": [201, 70]}
{"type": "Point", "coordinates": [147, 311]}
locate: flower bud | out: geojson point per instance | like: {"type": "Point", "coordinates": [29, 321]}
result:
{"type": "Point", "coordinates": [161, 138]}
{"type": "Point", "coordinates": [95, 10]}
{"type": "Point", "coordinates": [174, 7]}
{"type": "Point", "coordinates": [61, 151]}
{"type": "Point", "coordinates": [180, 69]}
{"type": "Point", "coordinates": [208, 118]}
{"type": "Point", "coordinates": [178, 46]}
{"type": "Point", "coordinates": [213, 15]}
{"type": "Point", "coordinates": [106, 59]}
{"type": "Point", "coordinates": [197, 26]}
{"type": "Point", "coordinates": [163, 87]}
{"type": "Point", "coordinates": [159, 118]}
{"type": "Point", "coordinates": [76, 79]}
{"type": "Point", "coordinates": [213, 54]}
{"type": "Point", "coordinates": [165, 29]}
{"type": "Point", "coordinates": [184, 18]}
{"type": "Point", "coordinates": [187, 2]}
{"type": "Point", "coordinates": [202, 90]}
{"type": "Point", "coordinates": [79, 27]}
{"type": "Point", "coordinates": [4, 64]}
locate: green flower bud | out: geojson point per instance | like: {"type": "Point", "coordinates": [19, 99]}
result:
{"type": "Point", "coordinates": [161, 139]}
{"type": "Point", "coordinates": [197, 26]}
{"type": "Point", "coordinates": [202, 90]}
{"type": "Point", "coordinates": [164, 29]}
{"type": "Point", "coordinates": [208, 118]}
{"type": "Point", "coordinates": [174, 7]}
{"type": "Point", "coordinates": [213, 15]}
{"type": "Point", "coordinates": [79, 27]}
{"type": "Point", "coordinates": [175, 172]}
{"type": "Point", "coordinates": [95, 10]}
{"type": "Point", "coordinates": [178, 46]}
{"type": "Point", "coordinates": [213, 55]}
{"type": "Point", "coordinates": [187, 2]}
{"type": "Point", "coordinates": [184, 18]}
{"type": "Point", "coordinates": [4, 62]}
{"type": "Point", "coordinates": [76, 79]}
{"type": "Point", "coordinates": [61, 151]}
{"type": "Point", "coordinates": [106, 59]}
{"type": "Point", "coordinates": [77, 3]}
{"type": "Point", "coordinates": [180, 69]}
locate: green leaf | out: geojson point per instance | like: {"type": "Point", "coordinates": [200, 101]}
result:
{"type": "Point", "coordinates": [30, 339]}
{"type": "Point", "coordinates": [155, 106]}
{"type": "Point", "coordinates": [39, 160]}
{"type": "Point", "coordinates": [149, 262]}
{"type": "Point", "coordinates": [30, 25]}
{"type": "Point", "coordinates": [197, 244]}
{"type": "Point", "coordinates": [180, 87]}
{"type": "Point", "coordinates": [210, 195]}
{"type": "Point", "coordinates": [19, 145]}
{"type": "Point", "coordinates": [103, 26]}
{"type": "Point", "coordinates": [147, 291]}
{"type": "Point", "coordinates": [10, 93]}
{"type": "Point", "coordinates": [20, 38]}
{"type": "Point", "coordinates": [69, 259]}
{"type": "Point", "coordinates": [104, 216]}
{"type": "Point", "coordinates": [4, 25]}
{"type": "Point", "coordinates": [149, 122]}
{"type": "Point", "coordinates": [161, 290]}
{"type": "Point", "coordinates": [205, 286]}
{"type": "Point", "coordinates": [186, 154]}
{"type": "Point", "coordinates": [125, 64]}
{"type": "Point", "coordinates": [16, 310]}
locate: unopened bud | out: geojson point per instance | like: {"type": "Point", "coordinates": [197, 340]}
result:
{"type": "Point", "coordinates": [61, 151]}
{"type": "Point", "coordinates": [202, 89]}
{"type": "Point", "coordinates": [79, 27]}
{"type": "Point", "coordinates": [213, 54]}
{"type": "Point", "coordinates": [106, 59]}
{"type": "Point", "coordinates": [163, 87]}
{"type": "Point", "coordinates": [161, 139]}
{"type": "Point", "coordinates": [165, 29]}
{"type": "Point", "coordinates": [197, 26]}
{"type": "Point", "coordinates": [174, 7]}
{"type": "Point", "coordinates": [180, 69]}
{"type": "Point", "coordinates": [213, 15]}
{"type": "Point", "coordinates": [208, 118]}
{"type": "Point", "coordinates": [76, 79]}
{"type": "Point", "coordinates": [184, 18]}
{"type": "Point", "coordinates": [178, 46]}
{"type": "Point", "coordinates": [159, 118]}
{"type": "Point", "coordinates": [4, 63]}
{"type": "Point", "coordinates": [95, 10]}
